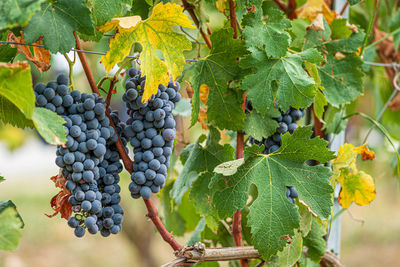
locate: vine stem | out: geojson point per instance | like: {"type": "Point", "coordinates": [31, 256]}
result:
{"type": "Point", "coordinates": [232, 17]}
{"type": "Point", "coordinates": [317, 124]}
{"type": "Point", "coordinates": [152, 211]}
{"type": "Point", "coordinates": [196, 22]}
{"type": "Point", "coordinates": [237, 216]}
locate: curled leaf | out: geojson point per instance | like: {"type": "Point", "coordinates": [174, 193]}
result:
{"type": "Point", "coordinates": [59, 202]}
{"type": "Point", "coordinates": [365, 153]}
{"type": "Point", "coordinates": [40, 57]}
{"type": "Point", "coordinates": [357, 186]}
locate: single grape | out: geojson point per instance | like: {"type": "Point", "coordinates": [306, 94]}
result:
{"type": "Point", "coordinates": [79, 231]}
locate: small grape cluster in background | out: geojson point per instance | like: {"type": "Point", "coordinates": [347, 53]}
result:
{"type": "Point", "coordinates": [151, 131]}
{"type": "Point", "coordinates": [90, 161]}
{"type": "Point", "coordinates": [287, 123]}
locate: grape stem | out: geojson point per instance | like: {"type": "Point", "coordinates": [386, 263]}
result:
{"type": "Point", "coordinates": [152, 211]}
{"type": "Point", "coordinates": [70, 65]}
{"type": "Point", "coordinates": [189, 9]}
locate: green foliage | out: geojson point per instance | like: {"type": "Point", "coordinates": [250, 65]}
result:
{"type": "Point", "coordinates": [17, 12]}
{"type": "Point", "coordinates": [198, 159]}
{"type": "Point", "coordinates": [56, 21]}
{"type": "Point", "coordinates": [50, 126]}
{"type": "Point", "coordinates": [271, 214]}
{"type": "Point", "coordinates": [315, 242]}
{"type": "Point", "coordinates": [259, 126]}
{"type": "Point", "coordinates": [216, 71]}
{"type": "Point", "coordinates": [2, 179]}
{"type": "Point", "coordinates": [16, 87]}
{"type": "Point", "coordinates": [292, 252]}
{"type": "Point", "coordinates": [9, 113]}
{"type": "Point", "coordinates": [270, 35]}
{"type": "Point", "coordinates": [10, 226]}
{"type": "Point", "coordinates": [341, 77]}
{"type": "Point", "coordinates": [295, 89]}
{"type": "Point", "coordinates": [102, 12]}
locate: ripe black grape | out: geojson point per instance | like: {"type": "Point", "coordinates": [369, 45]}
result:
{"type": "Point", "coordinates": [151, 131]}
{"type": "Point", "coordinates": [90, 161]}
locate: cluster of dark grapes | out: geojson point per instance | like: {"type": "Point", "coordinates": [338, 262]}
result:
{"type": "Point", "coordinates": [151, 131]}
{"type": "Point", "coordinates": [287, 123]}
{"type": "Point", "coordinates": [89, 161]}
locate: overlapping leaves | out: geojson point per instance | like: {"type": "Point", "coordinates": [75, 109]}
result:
{"type": "Point", "coordinates": [271, 214]}
{"type": "Point", "coordinates": [341, 75]}
{"type": "Point", "coordinates": [216, 71]}
{"type": "Point", "coordinates": [295, 87]}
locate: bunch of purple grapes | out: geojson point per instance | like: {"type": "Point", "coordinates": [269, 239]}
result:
{"type": "Point", "coordinates": [89, 161]}
{"type": "Point", "coordinates": [151, 131]}
{"type": "Point", "coordinates": [287, 123]}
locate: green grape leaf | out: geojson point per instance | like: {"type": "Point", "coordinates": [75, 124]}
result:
{"type": "Point", "coordinates": [295, 89]}
{"type": "Point", "coordinates": [173, 220]}
{"type": "Point", "coordinates": [196, 236]}
{"type": "Point", "coordinates": [140, 8]}
{"type": "Point", "coordinates": [292, 251]}
{"type": "Point", "coordinates": [333, 120]}
{"type": "Point", "coordinates": [200, 159]}
{"type": "Point", "coordinates": [340, 29]}
{"type": "Point", "coordinates": [315, 241]}
{"type": "Point", "coordinates": [225, 110]}
{"type": "Point", "coordinates": [7, 53]}
{"type": "Point", "coordinates": [16, 86]}
{"type": "Point", "coordinates": [56, 21]}
{"type": "Point", "coordinates": [259, 126]}
{"type": "Point", "coordinates": [10, 226]}
{"type": "Point", "coordinates": [15, 13]}
{"type": "Point", "coordinates": [101, 12]}
{"type": "Point", "coordinates": [271, 35]}
{"type": "Point", "coordinates": [216, 71]}
{"type": "Point", "coordinates": [272, 216]}
{"type": "Point", "coordinates": [306, 219]}
{"type": "Point", "coordinates": [248, 3]}
{"type": "Point", "coordinates": [9, 113]}
{"type": "Point", "coordinates": [200, 194]}
{"type": "Point", "coordinates": [319, 104]}
{"type": "Point", "coordinates": [50, 126]}
{"type": "Point", "coordinates": [342, 79]}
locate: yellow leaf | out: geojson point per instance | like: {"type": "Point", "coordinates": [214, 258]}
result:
{"type": "Point", "coordinates": [204, 93]}
{"type": "Point", "coordinates": [359, 187]}
{"type": "Point", "coordinates": [346, 157]}
{"type": "Point", "coordinates": [312, 8]}
{"type": "Point", "coordinates": [220, 4]}
{"type": "Point", "coordinates": [154, 34]}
